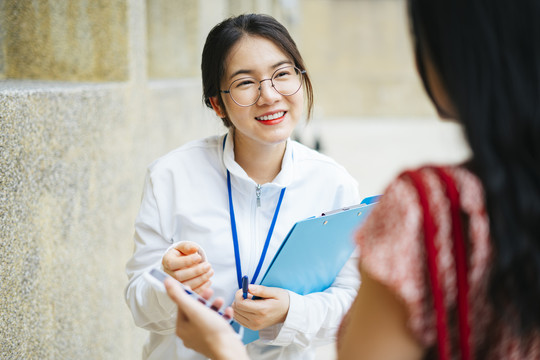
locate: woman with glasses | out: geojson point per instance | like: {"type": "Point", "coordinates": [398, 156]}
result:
{"type": "Point", "coordinates": [216, 210]}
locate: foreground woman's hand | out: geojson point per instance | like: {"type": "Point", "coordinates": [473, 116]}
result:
{"type": "Point", "coordinates": [203, 329]}
{"type": "Point", "coordinates": [271, 309]}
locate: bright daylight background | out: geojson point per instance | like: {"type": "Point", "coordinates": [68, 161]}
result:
{"type": "Point", "coordinates": [372, 114]}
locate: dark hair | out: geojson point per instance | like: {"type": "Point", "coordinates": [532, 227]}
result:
{"type": "Point", "coordinates": [488, 56]}
{"type": "Point", "coordinates": [226, 34]}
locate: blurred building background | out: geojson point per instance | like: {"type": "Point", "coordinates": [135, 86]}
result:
{"type": "Point", "coordinates": [91, 91]}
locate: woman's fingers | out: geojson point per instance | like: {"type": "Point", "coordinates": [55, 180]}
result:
{"type": "Point", "coordinates": [177, 294]}
{"type": "Point", "coordinates": [203, 270]}
{"type": "Point", "coordinates": [217, 304]}
{"type": "Point", "coordinates": [197, 283]}
{"type": "Point", "coordinates": [175, 260]}
{"type": "Point", "coordinates": [187, 247]}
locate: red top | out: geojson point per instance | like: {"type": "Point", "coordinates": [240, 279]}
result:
{"type": "Point", "coordinates": [392, 252]}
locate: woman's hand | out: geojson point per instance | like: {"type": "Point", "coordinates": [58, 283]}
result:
{"type": "Point", "coordinates": [271, 309]}
{"type": "Point", "coordinates": [185, 264]}
{"type": "Point", "coordinates": [203, 329]}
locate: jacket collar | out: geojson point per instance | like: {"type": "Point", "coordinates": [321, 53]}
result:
{"type": "Point", "coordinates": [284, 177]}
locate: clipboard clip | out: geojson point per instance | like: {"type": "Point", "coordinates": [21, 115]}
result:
{"type": "Point", "coordinates": [343, 209]}
{"type": "Point", "coordinates": [367, 201]}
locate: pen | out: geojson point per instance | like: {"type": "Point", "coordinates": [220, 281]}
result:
{"type": "Point", "coordinates": [245, 286]}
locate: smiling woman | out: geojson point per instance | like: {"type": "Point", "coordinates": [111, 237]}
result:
{"type": "Point", "coordinates": [254, 67]}
{"type": "Point", "coordinates": [216, 210]}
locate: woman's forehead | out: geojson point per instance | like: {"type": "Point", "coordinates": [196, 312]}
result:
{"type": "Point", "coordinates": [253, 55]}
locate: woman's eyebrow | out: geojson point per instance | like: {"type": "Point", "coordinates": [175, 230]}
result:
{"type": "Point", "coordinates": [283, 62]}
{"type": "Point", "coordinates": [241, 71]}
{"type": "Point", "coordinates": [249, 72]}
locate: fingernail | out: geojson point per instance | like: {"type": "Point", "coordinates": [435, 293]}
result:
{"type": "Point", "coordinates": [215, 308]}
{"type": "Point", "coordinates": [226, 317]}
{"type": "Point", "coordinates": [202, 301]}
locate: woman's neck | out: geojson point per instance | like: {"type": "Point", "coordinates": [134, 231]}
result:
{"type": "Point", "coordinates": [262, 163]}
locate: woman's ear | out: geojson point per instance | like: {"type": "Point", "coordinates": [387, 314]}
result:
{"type": "Point", "coordinates": [220, 111]}
{"type": "Point", "coordinates": [438, 91]}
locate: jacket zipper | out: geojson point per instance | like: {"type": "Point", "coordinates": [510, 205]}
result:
{"type": "Point", "coordinates": [258, 194]}
{"type": "Point", "coordinates": [254, 245]}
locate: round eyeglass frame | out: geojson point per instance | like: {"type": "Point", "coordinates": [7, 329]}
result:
{"type": "Point", "coordinates": [300, 72]}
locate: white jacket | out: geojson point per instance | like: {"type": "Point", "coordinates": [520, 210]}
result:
{"type": "Point", "coordinates": [185, 198]}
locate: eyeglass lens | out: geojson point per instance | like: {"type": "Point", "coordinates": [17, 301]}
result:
{"type": "Point", "coordinates": [286, 80]}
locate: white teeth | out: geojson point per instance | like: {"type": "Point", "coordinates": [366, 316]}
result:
{"type": "Point", "coordinates": [271, 117]}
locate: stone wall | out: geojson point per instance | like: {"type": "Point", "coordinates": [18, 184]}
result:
{"type": "Point", "coordinates": [92, 91]}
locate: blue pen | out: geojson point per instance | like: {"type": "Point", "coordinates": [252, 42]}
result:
{"type": "Point", "coordinates": [245, 283]}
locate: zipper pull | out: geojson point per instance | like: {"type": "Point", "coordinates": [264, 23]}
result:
{"type": "Point", "coordinates": [258, 193]}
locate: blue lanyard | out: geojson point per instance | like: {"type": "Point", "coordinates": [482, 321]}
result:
{"type": "Point", "coordinates": [235, 235]}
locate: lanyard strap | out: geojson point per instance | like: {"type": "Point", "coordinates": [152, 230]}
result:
{"type": "Point", "coordinates": [235, 235]}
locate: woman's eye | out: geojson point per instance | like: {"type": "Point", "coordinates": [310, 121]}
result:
{"type": "Point", "coordinates": [282, 74]}
{"type": "Point", "coordinates": [244, 83]}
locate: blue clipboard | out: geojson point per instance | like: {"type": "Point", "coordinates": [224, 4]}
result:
{"type": "Point", "coordinates": [314, 252]}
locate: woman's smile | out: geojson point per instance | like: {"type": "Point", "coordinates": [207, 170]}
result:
{"type": "Point", "coordinates": [271, 118]}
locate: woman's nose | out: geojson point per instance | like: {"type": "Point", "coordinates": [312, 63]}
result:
{"type": "Point", "coordinates": [269, 95]}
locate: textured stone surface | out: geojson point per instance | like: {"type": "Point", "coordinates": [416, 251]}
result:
{"type": "Point", "coordinates": [72, 163]}
{"type": "Point", "coordinates": [173, 50]}
{"type": "Point", "coordinates": [65, 187]}
{"type": "Point", "coordinates": [65, 40]}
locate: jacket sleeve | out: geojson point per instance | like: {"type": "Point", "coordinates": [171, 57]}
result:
{"type": "Point", "coordinates": [150, 305]}
{"type": "Point", "coordinates": [314, 319]}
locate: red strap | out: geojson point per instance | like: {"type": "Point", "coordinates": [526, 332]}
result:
{"type": "Point", "coordinates": [430, 229]}
{"type": "Point", "coordinates": [461, 262]}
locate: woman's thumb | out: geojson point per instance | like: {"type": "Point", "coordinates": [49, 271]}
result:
{"type": "Point", "coordinates": [262, 291]}
{"type": "Point", "coordinates": [176, 293]}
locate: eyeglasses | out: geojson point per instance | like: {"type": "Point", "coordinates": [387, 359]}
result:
{"type": "Point", "coordinates": [247, 90]}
